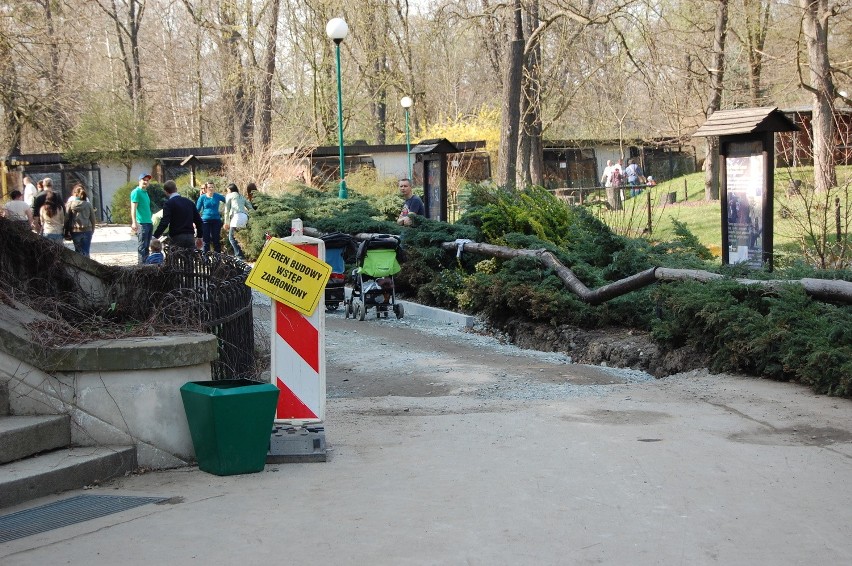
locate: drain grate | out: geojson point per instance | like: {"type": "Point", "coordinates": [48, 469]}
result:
{"type": "Point", "coordinates": [66, 512]}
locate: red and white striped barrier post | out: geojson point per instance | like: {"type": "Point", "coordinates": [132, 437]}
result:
{"type": "Point", "coordinates": [298, 349]}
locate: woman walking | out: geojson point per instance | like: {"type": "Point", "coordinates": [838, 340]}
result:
{"type": "Point", "coordinates": [82, 220]}
{"type": "Point", "coordinates": [236, 215]}
{"type": "Point", "coordinates": [52, 216]}
{"type": "Point", "coordinates": [208, 207]}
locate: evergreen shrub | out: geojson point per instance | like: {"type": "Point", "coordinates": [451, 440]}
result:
{"type": "Point", "coordinates": [780, 334]}
{"type": "Point", "coordinates": [120, 206]}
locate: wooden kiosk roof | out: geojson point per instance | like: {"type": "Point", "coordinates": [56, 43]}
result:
{"type": "Point", "coordinates": [745, 121]}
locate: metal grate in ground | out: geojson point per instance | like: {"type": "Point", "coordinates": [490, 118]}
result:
{"type": "Point", "coordinates": [66, 512]}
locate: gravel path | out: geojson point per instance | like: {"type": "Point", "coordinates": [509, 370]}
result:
{"type": "Point", "coordinates": [439, 354]}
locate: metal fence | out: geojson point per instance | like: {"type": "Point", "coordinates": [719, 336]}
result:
{"type": "Point", "coordinates": [631, 208]}
{"type": "Point", "coordinates": [216, 284]}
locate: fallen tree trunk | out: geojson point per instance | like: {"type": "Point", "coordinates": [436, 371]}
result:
{"type": "Point", "coordinates": [830, 290]}
{"type": "Point", "coordinates": [822, 289]}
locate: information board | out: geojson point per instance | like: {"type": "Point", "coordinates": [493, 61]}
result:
{"type": "Point", "coordinates": [745, 168]}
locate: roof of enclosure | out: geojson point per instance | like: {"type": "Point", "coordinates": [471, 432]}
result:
{"type": "Point", "coordinates": [439, 145]}
{"type": "Point", "coordinates": [178, 154]}
{"type": "Point", "coordinates": [745, 121]}
{"type": "Point", "coordinates": [367, 149]}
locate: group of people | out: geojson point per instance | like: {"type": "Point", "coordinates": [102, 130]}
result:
{"type": "Point", "coordinates": [616, 175]}
{"type": "Point", "coordinates": [191, 225]}
{"type": "Point", "coordinates": [41, 209]}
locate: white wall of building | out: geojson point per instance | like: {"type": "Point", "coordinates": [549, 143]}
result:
{"type": "Point", "coordinates": [605, 152]}
{"type": "Point", "coordinates": [393, 165]}
{"type": "Point", "coordinates": [114, 175]}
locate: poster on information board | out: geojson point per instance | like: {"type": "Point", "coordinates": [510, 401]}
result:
{"type": "Point", "coordinates": [745, 190]}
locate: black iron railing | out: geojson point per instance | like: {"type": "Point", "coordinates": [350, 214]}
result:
{"type": "Point", "coordinates": [215, 283]}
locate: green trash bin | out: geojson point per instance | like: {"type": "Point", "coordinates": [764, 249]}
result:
{"type": "Point", "coordinates": [230, 422]}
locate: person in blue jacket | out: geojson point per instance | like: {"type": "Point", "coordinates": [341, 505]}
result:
{"type": "Point", "coordinates": [208, 207]}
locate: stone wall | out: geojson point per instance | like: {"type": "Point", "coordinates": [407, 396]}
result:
{"type": "Point", "coordinates": [117, 392]}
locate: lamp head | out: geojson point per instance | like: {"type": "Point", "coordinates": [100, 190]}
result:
{"type": "Point", "coordinates": [406, 102]}
{"type": "Point", "coordinates": [336, 29]}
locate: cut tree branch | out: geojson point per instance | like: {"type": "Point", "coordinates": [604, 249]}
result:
{"type": "Point", "coordinates": [821, 289]}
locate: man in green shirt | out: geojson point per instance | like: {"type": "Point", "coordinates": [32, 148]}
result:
{"type": "Point", "coordinates": [140, 217]}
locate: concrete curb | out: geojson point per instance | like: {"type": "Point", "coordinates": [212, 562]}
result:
{"type": "Point", "coordinates": [431, 313]}
{"type": "Point", "coordinates": [438, 315]}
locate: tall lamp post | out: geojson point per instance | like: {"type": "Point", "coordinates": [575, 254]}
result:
{"type": "Point", "coordinates": [406, 103]}
{"type": "Point", "coordinates": [337, 30]}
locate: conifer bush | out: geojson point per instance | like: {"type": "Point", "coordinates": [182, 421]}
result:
{"type": "Point", "coordinates": [783, 335]}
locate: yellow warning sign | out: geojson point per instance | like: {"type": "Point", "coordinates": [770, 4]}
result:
{"type": "Point", "coordinates": [290, 275]}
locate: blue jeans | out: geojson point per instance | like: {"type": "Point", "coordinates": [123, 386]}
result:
{"type": "Point", "coordinates": [212, 231]}
{"type": "Point", "coordinates": [634, 189]}
{"type": "Point", "coordinates": [55, 237]}
{"type": "Point", "coordinates": [238, 252]}
{"type": "Point", "coordinates": [143, 241]}
{"type": "Point", "coordinates": [82, 242]}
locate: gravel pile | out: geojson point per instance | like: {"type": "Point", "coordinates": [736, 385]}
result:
{"type": "Point", "coordinates": [518, 389]}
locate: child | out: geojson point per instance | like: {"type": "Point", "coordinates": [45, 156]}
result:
{"type": "Point", "coordinates": [156, 255]}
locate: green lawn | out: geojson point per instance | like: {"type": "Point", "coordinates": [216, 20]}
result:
{"type": "Point", "coordinates": [704, 218]}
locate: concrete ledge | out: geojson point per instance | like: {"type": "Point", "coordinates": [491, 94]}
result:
{"type": "Point", "coordinates": [437, 315]}
{"type": "Point", "coordinates": [154, 352]}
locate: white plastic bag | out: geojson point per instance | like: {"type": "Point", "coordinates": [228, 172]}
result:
{"type": "Point", "coordinates": [239, 220]}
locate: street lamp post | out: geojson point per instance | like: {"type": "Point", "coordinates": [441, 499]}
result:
{"type": "Point", "coordinates": [406, 103]}
{"type": "Point", "coordinates": [337, 30]}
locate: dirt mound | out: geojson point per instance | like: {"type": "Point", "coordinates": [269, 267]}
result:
{"type": "Point", "coordinates": [614, 347]}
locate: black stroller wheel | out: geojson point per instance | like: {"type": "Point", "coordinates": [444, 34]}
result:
{"type": "Point", "coordinates": [398, 311]}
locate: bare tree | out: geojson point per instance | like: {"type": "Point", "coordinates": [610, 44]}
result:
{"type": "Point", "coordinates": [507, 166]}
{"type": "Point", "coordinates": [757, 19]}
{"type": "Point", "coordinates": [815, 22]}
{"type": "Point", "coordinates": [265, 114]}
{"type": "Point", "coordinates": [717, 72]}
{"type": "Point", "coordinates": [10, 98]}
{"type": "Point", "coordinates": [127, 15]}
{"type": "Point", "coordinates": [530, 147]}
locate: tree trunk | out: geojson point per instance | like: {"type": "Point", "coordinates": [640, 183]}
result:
{"type": "Point", "coordinates": [265, 119]}
{"type": "Point", "coordinates": [757, 17]}
{"type": "Point", "coordinates": [815, 27]}
{"type": "Point", "coordinates": [717, 72]}
{"type": "Point", "coordinates": [832, 290]}
{"type": "Point", "coordinates": [380, 105]}
{"type": "Point", "coordinates": [135, 11]}
{"type": "Point", "coordinates": [530, 147]}
{"type": "Point", "coordinates": [523, 178]}
{"type": "Point", "coordinates": [9, 96]}
{"type": "Point", "coordinates": [820, 289]}
{"type": "Point", "coordinates": [510, 122]}
{"type": "Point", "coordinates": [59, 127]}
{"type": "Point", "coordinates": [536, 127]}
{"type": "Point", "coordinates": [238, 91]}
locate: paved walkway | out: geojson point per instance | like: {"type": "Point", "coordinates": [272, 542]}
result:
{"type": "Point", "coordinates": [695, 469]}
{"type": "Point", "coordinates": [113, 245]}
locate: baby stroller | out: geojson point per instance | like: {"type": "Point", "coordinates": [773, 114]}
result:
{"type": "Point", "coordinates": [338, 247]}
{"type": "Point", "coordinates": [372, 280]}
